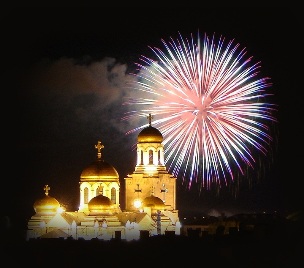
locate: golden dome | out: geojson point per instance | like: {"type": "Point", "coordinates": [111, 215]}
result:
{"type": "Point", "coordinates": [99, 170]}
{"type": "Point", "coordinates": [150, 134]}
{"type": "Point", "coordinates": [101, 204]}
{"type": "Point", "coordinates": [154, 202]}
{"type": "Point", "coordinates": [46, 205]}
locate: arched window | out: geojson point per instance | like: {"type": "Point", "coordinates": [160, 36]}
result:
{"type": "Point", "coordinates": [113, 195]}
{"type": "Point", "coordinates": [150, 156]}
{"type": "Point", "coordinates": [86, 195]}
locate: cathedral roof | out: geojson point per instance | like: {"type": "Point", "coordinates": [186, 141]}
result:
{"type": "Point", "coordinates": [99, 202]}
{"type": "Point", "coordinates": [150, 134]}
{"type": "Point", "coordinates": [46, 204]}
{"type": "Point", "coordinates": [102, 205]}
{"type": "Point", "coordinates": [99, 169]}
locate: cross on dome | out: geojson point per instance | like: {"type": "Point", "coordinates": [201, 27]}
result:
{"type": "Point", "coordinates": [149, 117]}
{"type": "Point", "coordinates": [46, 188]}
{"type": "Point", "coordinates": [99, 146]}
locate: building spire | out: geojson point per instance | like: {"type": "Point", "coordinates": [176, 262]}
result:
{"type": "Point", "coordinates": [99, 146]}
{"type": "Point", "coordinates": [149, 117]}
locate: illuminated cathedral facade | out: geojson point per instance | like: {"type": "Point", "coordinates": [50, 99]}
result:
{"type": "Point", "coordinates": [150, 198]}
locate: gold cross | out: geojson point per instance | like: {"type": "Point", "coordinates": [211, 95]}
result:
{"type": "Point", "coordinates": [99, 146]}
{"type": "Point", "coordinates": [46, 188]}
{"type": "Point", "coordinates": [164, 190]}
{"type": "Point", "coordinates": [149, 117]}
{"type": "Point", "coordinates": [137, 190]}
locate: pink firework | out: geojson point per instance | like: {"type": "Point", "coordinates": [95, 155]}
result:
{"type": "Point", "coordinates": [210, 105]}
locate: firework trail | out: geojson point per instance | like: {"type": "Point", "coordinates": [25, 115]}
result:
{"type": "Point", "coordinates": [208, 103]}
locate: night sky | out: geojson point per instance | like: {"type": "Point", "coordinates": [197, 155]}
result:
{"type": "Point", "coordinates": [65, 69]}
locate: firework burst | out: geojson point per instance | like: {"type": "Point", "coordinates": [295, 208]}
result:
{"type": "Point", "coordinates": [210, 105]}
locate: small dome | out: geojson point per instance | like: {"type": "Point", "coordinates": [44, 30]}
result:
{"type": "Point", "coordinates": [153, 202]}
{"type": "Point", "coordinates": [46, 205]}
{"type": "Point", "coordinates": [150, 134]}
{"type": "Point", "coordinates": [99, 169]}
{"type": "Point", "coordinates": [99, 202]}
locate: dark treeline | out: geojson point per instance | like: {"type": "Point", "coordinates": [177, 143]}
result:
{"type": "Point", "coordinates": [237, 250]}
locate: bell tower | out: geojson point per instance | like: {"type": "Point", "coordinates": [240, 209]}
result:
{"type": "Point", "coordinates": [150, 177]}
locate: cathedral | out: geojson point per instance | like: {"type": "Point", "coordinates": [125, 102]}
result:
{"type": "Point", "coordinates": [150, 199]}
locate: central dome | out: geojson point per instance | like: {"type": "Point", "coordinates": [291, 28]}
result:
{"type": "Point", "coordinates": [98, 170]}
{"type": "Point", "coordinates": [150, 134]}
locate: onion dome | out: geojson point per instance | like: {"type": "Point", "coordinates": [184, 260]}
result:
{"type": "Point", "coordinates": [46, 204]}
{"type": "Point", "coordinates": [150, 134]}
{"type": "Point", "coordinates": [100, 204]}
{"type": "Point", "coordinates": [99, 169]}
{"type": "Point", "coordinates": [153, 202]}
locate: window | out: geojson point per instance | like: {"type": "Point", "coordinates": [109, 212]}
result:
{"type": "Point", "coordinates": [113, 195]}
{"type": "Point", "coordinates": [86, 195]}
{"type": "Point", "coordinates": [150, 157]}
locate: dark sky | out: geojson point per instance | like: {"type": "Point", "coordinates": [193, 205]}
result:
{"type": "Point", "coordinates": [65, 69]}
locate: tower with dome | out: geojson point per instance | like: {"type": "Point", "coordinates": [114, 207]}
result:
{"type": "Point", "coordinates": [150, 199]}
